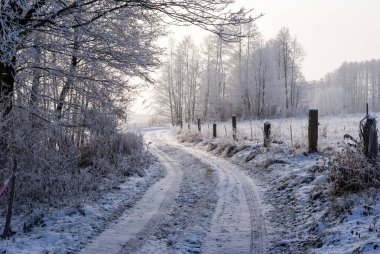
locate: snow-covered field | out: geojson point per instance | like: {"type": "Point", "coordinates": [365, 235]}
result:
{"type": "Point", "coordinates": [289, 130]}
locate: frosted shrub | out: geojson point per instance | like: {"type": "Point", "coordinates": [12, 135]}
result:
{"type": "Point", "coordinates": [351, 171]}
{"type": "Point", "coordinates": [190, 136]}
{"type": "Point", "coordinates": [127, 143]}
{"type": "Point", "coordinates": [53, 171]}
{"type": "Point", "coordinates": [110, 147]}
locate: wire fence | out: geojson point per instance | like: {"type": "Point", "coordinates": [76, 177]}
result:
{"type": "Point", "coordinates": [294, 131]}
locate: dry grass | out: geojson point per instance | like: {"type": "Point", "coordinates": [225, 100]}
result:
{"type": "Point", "coordinates": [351, 171]}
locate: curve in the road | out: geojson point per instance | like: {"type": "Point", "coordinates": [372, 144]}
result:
{"type": "Point", "coordinates": [129, 232]}
{"type": "Point", "coordinates": [136, 242]}
{"type": "Point", "coordinates": [238, 223]}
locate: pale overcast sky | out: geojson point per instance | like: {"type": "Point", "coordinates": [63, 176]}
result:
{"type": "Point", "coordinates": [331, 31]}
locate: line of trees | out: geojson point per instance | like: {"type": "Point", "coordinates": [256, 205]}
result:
{"type": "Point", "coordinates": [250, 78]}
{"type": "Point", "coordinates": [349, 88]}
{"type": "Point", "coordinates": [64, 82]}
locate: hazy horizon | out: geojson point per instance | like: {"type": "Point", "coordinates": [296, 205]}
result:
{"type": "Point", "coordinates": [336, 30]}
{"type": "Point", "coordinates": [331, 32]}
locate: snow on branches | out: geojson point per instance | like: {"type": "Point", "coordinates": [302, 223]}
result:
{"type": "Point", "coordinates": [65, 71]}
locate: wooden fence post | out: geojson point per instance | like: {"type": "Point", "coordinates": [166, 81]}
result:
{"type": "Point", "coordinates": [370, 143]}
{"type": "Point", "coordinates": [266, 134]}
{"type": "Point", "coordinates": [313, 130]}
{"type": "Point", "coordinates": [214, 130]}
{"type": "Point", "coordinates": [291, 135]}
{"type": "Point", "coordinates": [234, 127]}
{"type": "Point", "coordinates": [199, 125]}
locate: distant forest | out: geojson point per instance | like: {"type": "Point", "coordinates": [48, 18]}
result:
{"type": "Point", "coordinates": [348, 89]}
{"type": "Point", "coordinates": [253, 78]}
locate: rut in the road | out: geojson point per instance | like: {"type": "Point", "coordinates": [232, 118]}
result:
{"type": "Point", "coordinates": [259, 232]}
{"type": "Point", "coordinates": [181, 224]}
{"type": "Point", "coordinates": [136, 243]}
{"type": "Point", "coordinates": [239, 222]}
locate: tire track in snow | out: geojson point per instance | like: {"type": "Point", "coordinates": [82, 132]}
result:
{"type": "Point", "coordinates": [185, 227]}
{"type": "Point", "coordinates": [135, 243]}
{"type": "Point", "coordinates": [130, 231]}
{"type": "Point", "coordinates": [258, 227]}
{"type": "Point", "coordinates": [239, 224]}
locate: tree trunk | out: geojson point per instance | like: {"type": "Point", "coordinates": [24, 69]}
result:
{"type": "Point", "coordinates": [36, 76]}
{"type": "Point", "coordinates": [66, 87]}
{"type": "Point", "coordinates": [7, 227]}
{"type": "Point", "coordinates": [208, 86]}
{"type": "Point", "coordinates": [286, 75]}
{"type": "Point", "coordinates": [7, 80]}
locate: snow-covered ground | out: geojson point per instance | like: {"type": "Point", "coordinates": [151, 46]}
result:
{"type": "Point", "coordinates": [304, 216]}
{"type": "Point", "coordinates": [68, 230]}
{"type": "Point", "coordinates": [292, 131]}
{"type": "Point", "coordinates": [207, 195]}
{"type": "Point", "coordinates": [217, 208]}
{"type": "Point", "coordinates": [183, 225]}
{"type": "Point", "coordinates": [203, 205]}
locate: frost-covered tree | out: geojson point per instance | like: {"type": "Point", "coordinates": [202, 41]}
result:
{"type": "Point", "coordinates": [349, 88]}
{"type": "Point", "coordinates": [270, 78]}
{"type": "Point", "coordinates": [64, 70]}
{"type": "Point", "coordinates": [290, 53]}
{"type": "Point", "coordinates": [178, 88]}
{"type": "Point", "coordinates": [248, 77]}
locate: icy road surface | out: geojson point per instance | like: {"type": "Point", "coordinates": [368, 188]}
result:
{"type": "Point", "coordinates": [203, 205]}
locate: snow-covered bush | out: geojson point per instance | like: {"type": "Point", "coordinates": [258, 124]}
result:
{"type": "Point", "coordinates": [110, 146]}
{"type": "Point", "coordinates": [190, 137]}
{"type": "Point", "coordinates": [52, 170]}
{"type": "Point", "coordinates": [351, 171]}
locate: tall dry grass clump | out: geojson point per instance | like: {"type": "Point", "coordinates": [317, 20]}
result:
{"type": "Point", "coordinates": [351, 171]}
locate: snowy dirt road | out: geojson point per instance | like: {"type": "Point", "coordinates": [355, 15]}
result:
{"type": "Point", "coordinates": [203, 205]}
{"type": "Point", "coordinates": [238, 224]}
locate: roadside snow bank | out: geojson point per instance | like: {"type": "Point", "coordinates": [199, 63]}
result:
{"type": "Point", "coordinates": [68, 230]}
